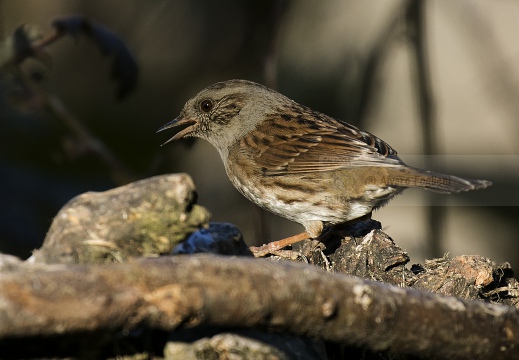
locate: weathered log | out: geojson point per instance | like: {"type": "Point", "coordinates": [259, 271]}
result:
{"type": "Point", "coordinates": [91, 303]}
{"type": "Point", "coordinates": [144, 218]}
{"type": "Point", "coordinates": [175, 291]}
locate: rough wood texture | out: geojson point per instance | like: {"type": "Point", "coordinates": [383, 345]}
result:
{"type": "Point", "coordinates": [363, 250]}
{"type": "Point", "coordinates": [144, 218]}
{"type": "Point", "coordinates": [242, 292]}
{"type": "Point", "coordinates": [52, 308]}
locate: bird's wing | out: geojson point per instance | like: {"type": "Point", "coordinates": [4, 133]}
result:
{"type": "Point", "coordinates": [314, 142]}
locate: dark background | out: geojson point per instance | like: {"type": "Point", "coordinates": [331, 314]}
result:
{"type": "Point", "coordinates": [352, 60]}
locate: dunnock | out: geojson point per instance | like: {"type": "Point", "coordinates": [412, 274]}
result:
{"type": "Point", "coordinates": [299, 163]}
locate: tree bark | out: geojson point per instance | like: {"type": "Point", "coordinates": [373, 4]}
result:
{"type": "Point", "coordinates": [144, 218]}
{"type": "Point", "coordinates": [169, 292]}
{"type": "Point", "coordinates": [101, 275]}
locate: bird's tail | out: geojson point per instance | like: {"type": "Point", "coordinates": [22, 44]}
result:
{"type": "Point", "coordinates": [441, 183]}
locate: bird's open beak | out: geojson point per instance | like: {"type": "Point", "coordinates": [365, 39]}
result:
{"type": "Point", "coordinates": [177, 122]}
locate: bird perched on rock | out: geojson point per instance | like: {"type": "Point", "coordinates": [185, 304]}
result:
{"type": "Point", "coordinates": [299, 163]}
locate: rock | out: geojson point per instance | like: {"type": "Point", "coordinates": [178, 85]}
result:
{"type": "Point", "coordinates": [145, 218]}
{"type": "Point", "coordinates": [219, 238]}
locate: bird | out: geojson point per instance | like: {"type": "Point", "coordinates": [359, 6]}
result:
{"type": "Point", "coordinates": [299, 163]}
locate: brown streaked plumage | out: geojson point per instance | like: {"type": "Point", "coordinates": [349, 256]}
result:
{"type": "Point", "coordinates": [299, 163]}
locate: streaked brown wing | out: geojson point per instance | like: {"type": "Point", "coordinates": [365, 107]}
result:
{"type": "Point", "coordinates": [301, 145]}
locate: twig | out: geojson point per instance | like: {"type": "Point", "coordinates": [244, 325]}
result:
{"type": "Point", "coordinates": [118, 172]}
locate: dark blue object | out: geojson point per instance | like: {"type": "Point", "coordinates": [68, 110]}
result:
{"type": "Point", "coordinates": [218, 238]}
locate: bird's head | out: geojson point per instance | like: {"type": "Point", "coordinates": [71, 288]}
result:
{"type": "Point", "coordinates": [224, 112]}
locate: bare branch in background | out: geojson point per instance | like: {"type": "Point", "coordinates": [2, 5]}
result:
{"type": "Point", "coordinates": [270, 74]}
{"type": "Point", "coordinates": [270, 64]}
{"type": "Point", "coordinates": [124, 71]}
{"type": "Point", "coordinates": [364, 89]}
{"type": "Point", "coordinates": [435, 214]}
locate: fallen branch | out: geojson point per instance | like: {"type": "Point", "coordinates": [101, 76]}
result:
{"type": "Point", "coordinates": [178, 291]}
{"type": "Point", "coordinates": [52, 303]}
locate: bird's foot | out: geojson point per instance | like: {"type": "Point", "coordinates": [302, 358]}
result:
{"type": "Point", "coordinates": [292, 255]}
{"type": "Point", "coordinates": [275, 247]}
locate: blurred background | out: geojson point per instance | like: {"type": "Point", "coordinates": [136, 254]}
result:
{"type": "Point", "coordinates": [438, 80]}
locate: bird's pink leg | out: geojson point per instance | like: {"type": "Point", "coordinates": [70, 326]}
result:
{"type": "Point", "coordinates": [275, 246]}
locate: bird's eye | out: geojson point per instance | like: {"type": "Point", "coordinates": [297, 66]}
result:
{"type": "Point", "coordinates": [206, 105]}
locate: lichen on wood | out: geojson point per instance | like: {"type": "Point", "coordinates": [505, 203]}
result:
{"type": "Point", "coordinates": [144, 218]}
{"type": "Point", "coordinates": [217, 297]}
